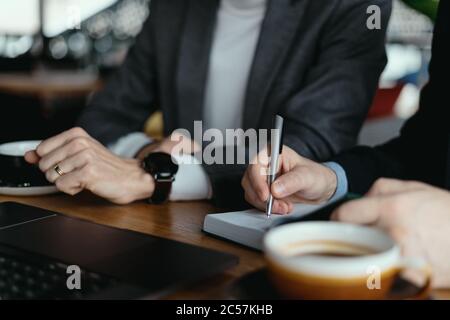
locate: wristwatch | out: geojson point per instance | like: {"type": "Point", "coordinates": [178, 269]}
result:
{"type": "Point", "coordinates": [161, 167]}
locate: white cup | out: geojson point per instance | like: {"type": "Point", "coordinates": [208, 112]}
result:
{"type": "Point", "coordinates": [333, 260]}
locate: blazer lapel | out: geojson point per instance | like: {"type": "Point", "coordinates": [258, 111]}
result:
{"type": "Point", "coordinates": [194, 60]}
{"type": "Point", "coordinates": [279, 28]}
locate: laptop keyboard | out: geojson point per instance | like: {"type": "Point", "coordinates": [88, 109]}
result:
{"type": "Point", "coordinates": [45, 280]}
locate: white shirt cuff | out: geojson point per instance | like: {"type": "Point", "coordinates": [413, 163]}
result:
{"type": "Point", "coordinates": [128, 146]}
{"type": "Point", "coordinates": [191, 181]}
{"type": "Point", "coordinates": [342, 182]}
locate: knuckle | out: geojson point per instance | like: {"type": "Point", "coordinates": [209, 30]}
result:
{"type": "Point", "coordinates": [88, 155]}
{"type": "Point", "coordinates": [49, 176]}
{"type": "Point", "coordinates": [380, 184]}
{"type": "Point", "coordinates": [61, 186]}
{"type": "Point", "coordinates": [40, 149]}
{"type": "Point", "coordinates": [66, 189]}
{"type": "Point", "coordinates": [78, 131]}
{"type": "Point", "coordinates": [77, 144]}
{"type": "Point", "coordinates": [81, 142]}
{"type": "Point", "coordinates": [42, 165]}
{"type": "Point", "coordinates": [72, 191]}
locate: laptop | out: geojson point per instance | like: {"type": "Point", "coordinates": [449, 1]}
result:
{"type": "Point", "coordinates": [46, 255]}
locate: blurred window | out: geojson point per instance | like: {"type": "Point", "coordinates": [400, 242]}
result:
{"type": "Point", "coordinates": [409, 26]}
{"type": "Point", "coordinates": [61, 15]}
{"type": "Point", "coordinates": [19, 17]}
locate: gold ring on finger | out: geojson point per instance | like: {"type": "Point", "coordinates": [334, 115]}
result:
{"type": "Point", "coordinates": [58, 170]}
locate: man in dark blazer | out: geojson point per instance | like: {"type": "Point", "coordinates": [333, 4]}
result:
{"type": "Point", "coordinates": [415, 214]}
{"type": "Point", "coordinates": [421, 152]}
{"type": "Point", "coordinates": [317, 63]}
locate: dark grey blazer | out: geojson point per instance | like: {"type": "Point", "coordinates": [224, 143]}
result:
{"type": "Point", "coordinates": [316, 63]}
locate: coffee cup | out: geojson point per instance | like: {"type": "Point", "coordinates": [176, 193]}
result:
{"type": "Point", "coordinates": [333, 260]}
{"type": "Point", "coordinates": [15, 171]}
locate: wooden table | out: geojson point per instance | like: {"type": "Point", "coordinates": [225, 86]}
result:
{"type": "Point", "coordinates": [46, 84]}
{"type": "Point", "coordinates": [178, 221]}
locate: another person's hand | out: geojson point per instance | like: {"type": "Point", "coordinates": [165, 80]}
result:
{"type": "Point", "coordinates": [415, 214]}
{"type": "Point", "coordinates": [300, 181]}
{"type": "Point", "coordinates": [85, 164]}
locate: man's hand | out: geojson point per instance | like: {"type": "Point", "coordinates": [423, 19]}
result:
{"type": "Point", "coordinates": [416, 215]}
{"type": "Point", "coordinates": [300, 180]}
{"type": "Point", "coordinates": [86, 164]}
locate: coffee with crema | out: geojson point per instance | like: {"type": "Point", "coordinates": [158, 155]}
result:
{"type": "Point", "coordinates": [328, 260]}
{"type": "Point", "coordinates": [326, 248]}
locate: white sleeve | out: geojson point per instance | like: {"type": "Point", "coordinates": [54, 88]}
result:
{"type": "Point", "coordinates": [127, 146]}
{"type": "Point", "coordinates": [191, 181]}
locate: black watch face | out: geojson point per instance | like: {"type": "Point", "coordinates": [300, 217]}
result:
{"type": "Point", "coordinates": [160, 164]}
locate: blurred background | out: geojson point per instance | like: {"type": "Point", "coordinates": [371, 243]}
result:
{"type": "Point", "coordinates": [55, 53]}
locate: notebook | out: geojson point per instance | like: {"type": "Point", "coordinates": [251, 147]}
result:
{"type": "Point", "coordinates": [248, 227]}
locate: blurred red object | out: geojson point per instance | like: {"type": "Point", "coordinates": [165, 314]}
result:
{"type": "Point", "coordinates": [384, 102]}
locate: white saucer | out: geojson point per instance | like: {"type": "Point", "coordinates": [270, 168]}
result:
{"type": "Point", "coordinates": [18, 148]}
{"type": "Point", "coordinates": [28, 191]}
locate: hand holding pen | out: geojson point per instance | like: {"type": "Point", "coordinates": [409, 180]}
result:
{"type": "Point", "coordinates": [299, 180]}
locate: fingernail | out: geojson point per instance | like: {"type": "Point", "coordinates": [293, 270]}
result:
{"type": "Point", "coordinates": [278, 188]}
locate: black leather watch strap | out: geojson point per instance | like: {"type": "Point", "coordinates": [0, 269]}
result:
{"type": "Point", "coordinates": [163, 170]}
{"type": "Point", "coordinates": [162, 191]}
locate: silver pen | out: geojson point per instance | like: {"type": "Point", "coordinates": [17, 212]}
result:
{"type": "Point", "coordinates": [276, 146]}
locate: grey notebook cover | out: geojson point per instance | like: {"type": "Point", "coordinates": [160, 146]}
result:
{"type": "Point", "coordinates": [248, 227]}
